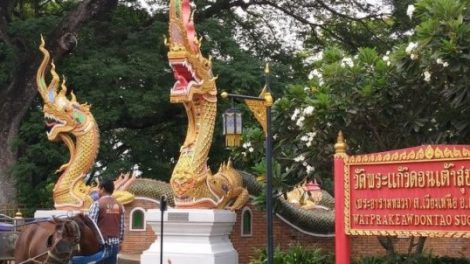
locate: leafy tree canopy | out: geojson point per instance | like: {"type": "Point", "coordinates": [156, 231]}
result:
{"type": "Point", "coordinates": [388, 79]}
{"type": "Point", "coordinates": [413, 90]}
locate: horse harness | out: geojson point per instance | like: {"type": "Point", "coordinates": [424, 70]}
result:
{"type": "Point", "coordinates": [50, 252]}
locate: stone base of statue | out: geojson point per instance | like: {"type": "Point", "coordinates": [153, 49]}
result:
{"type": "Point", "coordinates": [192, 236]}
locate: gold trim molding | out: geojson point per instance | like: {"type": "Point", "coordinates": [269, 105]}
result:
{"type": "Point", "coordinates": [423, 233]}
{"type": "Point", "coordinates": [423, 153]}
{"type": "Point", "coordinates": [426, 153]}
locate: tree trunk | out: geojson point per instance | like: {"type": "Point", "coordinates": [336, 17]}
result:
{"type": "Point", "coordinates": [420, 246]}
{"type": "Point", "coordinates": [18, 96]}
{"type": "Point", "coordinates": [388, 244]}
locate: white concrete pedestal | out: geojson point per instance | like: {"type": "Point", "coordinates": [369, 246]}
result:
{"type": "Point", "coordinates": [54, 213]}
{"type": "Point", "coordinates": [192, 236]}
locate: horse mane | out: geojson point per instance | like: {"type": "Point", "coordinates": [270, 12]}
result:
{"type": "Point", "coordinates": [86, 220]}
{"type": "Point", "coordinates": [81, 219]}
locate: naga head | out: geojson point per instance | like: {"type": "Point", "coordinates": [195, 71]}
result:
{"type": "Point", "coordinates": [219, 183]}
{"type": "Point", "coordinates": [61, 114]}
{"type": "Point", "coordinates": [219, 186]}
{"type": "Point", "coordinates": [192, 72]}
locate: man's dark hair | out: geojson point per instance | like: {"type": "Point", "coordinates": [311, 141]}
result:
{"type": "Point", "coordinates": [108, 186]}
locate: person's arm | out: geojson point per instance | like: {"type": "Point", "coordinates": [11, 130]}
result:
{"type": "Point", "coordinates": [94, 211]}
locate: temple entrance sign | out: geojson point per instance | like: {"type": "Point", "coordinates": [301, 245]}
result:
{"type": "Point", "coordinates": [419, 191]}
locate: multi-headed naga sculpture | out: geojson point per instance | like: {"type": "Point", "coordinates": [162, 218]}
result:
{"type": "Point", "coordinates": [193, 184]}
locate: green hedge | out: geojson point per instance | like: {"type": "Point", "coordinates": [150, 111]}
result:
{"type": "Point", "coordinates": [295, 255]}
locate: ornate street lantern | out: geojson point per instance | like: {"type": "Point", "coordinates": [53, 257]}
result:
{"type": "Point", "coordinates": [261, 108]}
{"type": "Point", "coordinates": [232, 121]}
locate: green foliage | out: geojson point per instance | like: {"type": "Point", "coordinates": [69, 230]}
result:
{"type": "Point", "coordinates": [444, 47]}
{"type": "Point", "coordinates": [403, 93]}
{"type": "Point", "coordinates": [279, 179]}
{"type": "Point", "coordinates": [294, 255]}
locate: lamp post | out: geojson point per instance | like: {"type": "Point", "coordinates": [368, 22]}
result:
{"type": "Point", "coordinates": [261, 108]}
{"type": "Point", "coordinates": [163, 207]}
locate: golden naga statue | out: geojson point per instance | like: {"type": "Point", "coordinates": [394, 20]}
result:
{"type": "Point", "coordinates": [72, 123]}
{"type": "Point", "coordinates": [192, 182]}
{"type": "Point", "coordinates": [306, 195]}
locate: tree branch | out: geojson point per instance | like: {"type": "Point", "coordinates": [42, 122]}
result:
{"type": "Point", "coordinates": [219, 6]}
{"type": "Point", "coordinates": [222, 5]}
{"type": "Point", "coordinates": [388, 244]}
{"type": "Point", "coordinates": [358, 20]}
{"type": "Point", "coordinates": [72, 23]}
{"type": "Point", "coordinates": [305, 21]}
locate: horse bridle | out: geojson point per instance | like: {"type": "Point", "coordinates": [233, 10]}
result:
{"type": "Point", "coordinates": [52, 255]}
{"type": "Point", "coordinates": [76, 242]}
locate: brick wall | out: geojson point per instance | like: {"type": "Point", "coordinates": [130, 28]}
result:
{"type": "Point", "coordinates": [135, 242]}
{"type": "Point", "coordinates": [455, 247]}
{"type": "Point", "coordinates": [284, 236]}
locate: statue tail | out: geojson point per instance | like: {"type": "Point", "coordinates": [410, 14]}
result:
{"type": "Point", "coordinates": [150, 188]}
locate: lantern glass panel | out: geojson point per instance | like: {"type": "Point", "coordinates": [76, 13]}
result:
{"type": "Point", "coordinates": [238, 122]}
{"type": "Point", "coordinates": [232, 122]}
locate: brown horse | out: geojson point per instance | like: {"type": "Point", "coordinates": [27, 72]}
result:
{"type": "Point", "coordinates": [55, 241]}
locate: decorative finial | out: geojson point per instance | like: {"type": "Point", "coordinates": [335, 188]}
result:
{"type": "Point", "coordinates": [18, 214]}
{"type": "Point", "coordinates": [266, 69]}
{"type": "Point", "coordinates": [224, 95]}
{"type": "Point", "coordinates": [340, 146]}
{"type": "Point", "coordinates": [268, 99]}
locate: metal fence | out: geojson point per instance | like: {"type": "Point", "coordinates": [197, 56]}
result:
{"type": "Point", "coordinates": [11, 209]}
{"type": "Point", "coordinates": [8, 235]}
{"type": "Point", "coordinates": [13, 217]}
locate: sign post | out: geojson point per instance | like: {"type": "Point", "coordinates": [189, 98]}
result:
{"type": "Point", "coordinates": [342, 248]}
{"type": "Point", "coordinates": [163, 207]}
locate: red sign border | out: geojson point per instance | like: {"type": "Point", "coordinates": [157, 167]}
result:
{"type": "Point", "coordinates": [427, 153]}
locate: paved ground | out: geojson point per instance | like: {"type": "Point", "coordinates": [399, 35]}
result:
{"type": "Point", "coordinates": [122, 259]}
{"type": "Point", "coordinates": [128, 259]}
